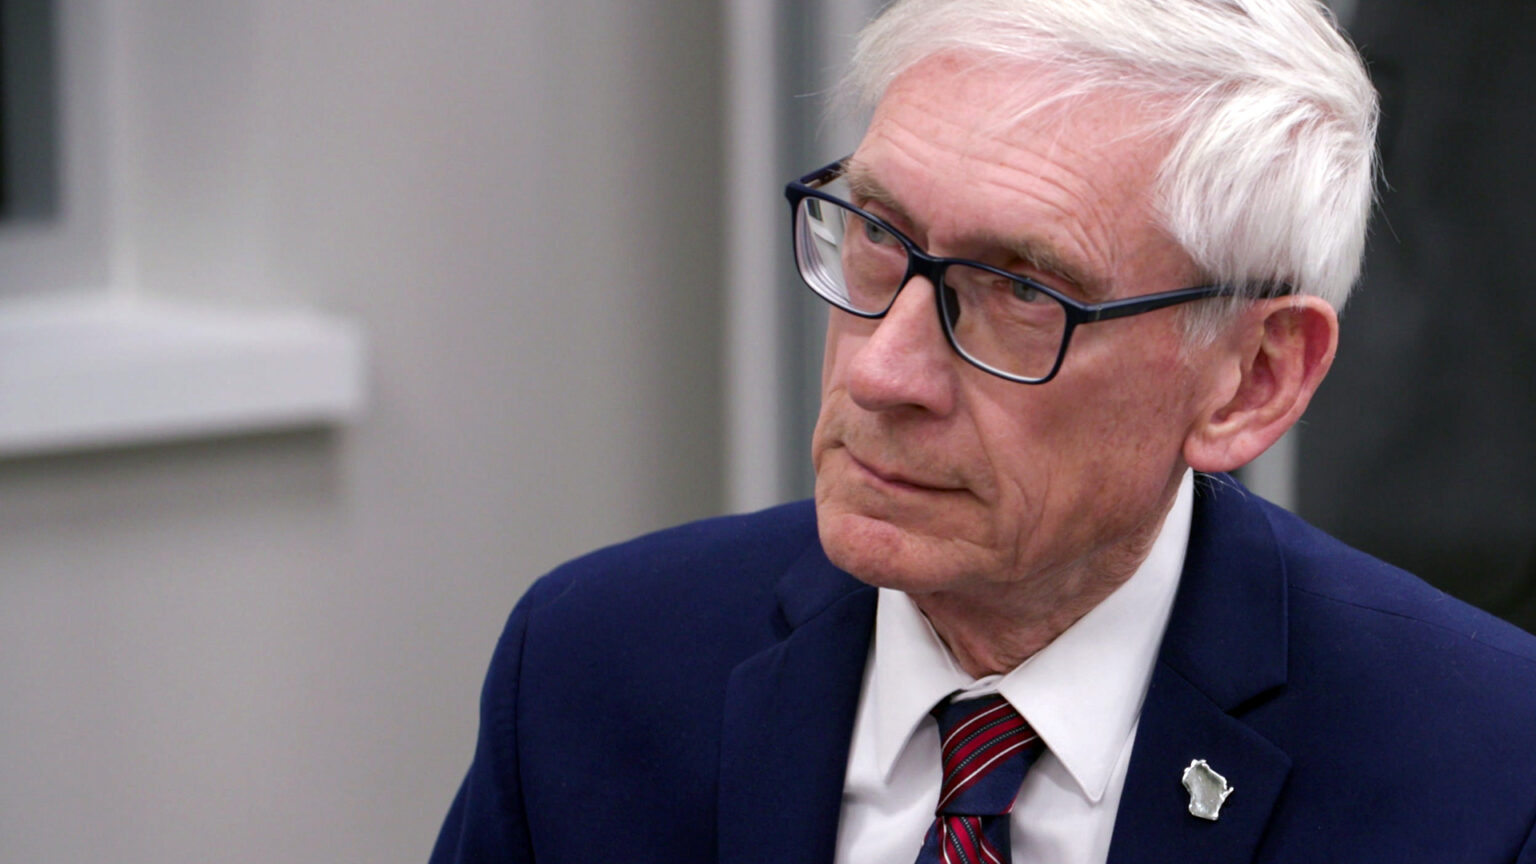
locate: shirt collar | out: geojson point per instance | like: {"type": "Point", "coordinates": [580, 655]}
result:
{"type": "Point", "coordinates": [1082, 693]}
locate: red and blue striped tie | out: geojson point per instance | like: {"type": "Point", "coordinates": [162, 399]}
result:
{"type": "Point", "coordinates": [987, 749]}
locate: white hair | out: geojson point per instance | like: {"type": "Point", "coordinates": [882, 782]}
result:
{"type": "Point", "coordinates": [1270, 176]}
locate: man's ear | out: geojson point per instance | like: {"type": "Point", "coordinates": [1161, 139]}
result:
{"type": "Point", "coordinates": [1269, 364]}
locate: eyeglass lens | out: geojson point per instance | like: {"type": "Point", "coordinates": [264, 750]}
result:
{"type": "Point", "coordinates": [994, 320]}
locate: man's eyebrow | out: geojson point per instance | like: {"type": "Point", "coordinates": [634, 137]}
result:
{"type": "Point", "coordinates": [1041, 257]}
{"type": "Point", "coordinates": [1035, 253]}
{"type": "Point", "coordinates": [865, 188]}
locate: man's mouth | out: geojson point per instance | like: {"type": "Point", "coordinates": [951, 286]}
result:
{"type": "Point", "coordinates": [896, 477]}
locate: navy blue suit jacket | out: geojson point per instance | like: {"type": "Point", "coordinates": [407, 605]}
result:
{"type": "Point", "coordinates": [689, 697]}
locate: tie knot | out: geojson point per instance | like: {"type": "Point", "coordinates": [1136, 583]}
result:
{"type": "Point", "coordinates": [987, 748]}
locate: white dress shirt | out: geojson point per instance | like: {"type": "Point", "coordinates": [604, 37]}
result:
{"type": "Point", "coordinates": [1082, 693]}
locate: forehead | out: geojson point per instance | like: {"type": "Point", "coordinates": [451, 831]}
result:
{"type": "Point", "coordinates": [993, 154]}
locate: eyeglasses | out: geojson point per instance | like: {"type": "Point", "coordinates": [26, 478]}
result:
{"type": "Point", "coordinates": [1001, 322]}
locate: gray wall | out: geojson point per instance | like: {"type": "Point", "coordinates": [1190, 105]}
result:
{"type": "Point", "coordinates": [269, 649]}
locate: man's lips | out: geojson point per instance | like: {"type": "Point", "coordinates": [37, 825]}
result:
{"type": "Point", "coordinates": [896, 477]}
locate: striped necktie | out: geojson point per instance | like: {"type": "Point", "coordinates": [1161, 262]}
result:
{"type": "Point", "coordinates": [987, 747]}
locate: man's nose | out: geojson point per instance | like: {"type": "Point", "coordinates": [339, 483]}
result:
{"type": "Point", "coordinates": [906, 361]}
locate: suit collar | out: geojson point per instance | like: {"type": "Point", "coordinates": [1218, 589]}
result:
{"type": "Point", "coordinates": [1227, 634]}
{"type": "Point", "coordinates": [788, 716]}
{"type": "Point", "coordinates": [1224, 650]}
{"type": "Point", "coordinates": [811, 585]}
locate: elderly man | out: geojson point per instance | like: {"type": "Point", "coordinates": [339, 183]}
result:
{"type": "Point", "coordinates": [1085, 260]}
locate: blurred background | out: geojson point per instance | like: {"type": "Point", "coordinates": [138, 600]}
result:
{"type": "Point", "coordinates": [1421, 446]}
{"type": "Point", "coordinates": [551, 238]}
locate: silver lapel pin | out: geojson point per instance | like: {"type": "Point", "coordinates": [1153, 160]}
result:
{"type": "Point", "coordinates": [1207, 790]}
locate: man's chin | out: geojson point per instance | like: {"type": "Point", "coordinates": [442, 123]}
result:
{"type": "Point", "coordinates": [878, 552]}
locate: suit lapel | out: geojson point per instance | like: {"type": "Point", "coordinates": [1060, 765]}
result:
{"type": "Point", "coordinates": [788, 720]}
{"type": "Point", "coordinates": [1225, 649]}
{"type": "Point", "coordinates": [1179, 725]}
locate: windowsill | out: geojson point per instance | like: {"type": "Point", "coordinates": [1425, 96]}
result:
{"type": "Point", "coordinates": [99, 372]}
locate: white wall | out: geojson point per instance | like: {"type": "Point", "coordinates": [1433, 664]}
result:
{"type": "Point", "coordinates": [269, 649]}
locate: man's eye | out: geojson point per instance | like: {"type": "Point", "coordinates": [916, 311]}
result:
{"type": "Point", "coordinates": [1025, 292]}
{"type": "Point", "coordinates": [877, 235]}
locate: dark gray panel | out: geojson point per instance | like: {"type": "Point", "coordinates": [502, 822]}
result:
{"type": "Point", "coordinates": [1421, 447]}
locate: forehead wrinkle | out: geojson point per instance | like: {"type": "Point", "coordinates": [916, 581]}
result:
{"type": "Point", "coordinates": [1089, 200]}
{"type": "Point", "coordinates": [1114, 138]}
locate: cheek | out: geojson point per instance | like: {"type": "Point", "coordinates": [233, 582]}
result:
{"type": "Point", "coordinates": [1086, 436]}
{"type": "Point", "coordinates": [1017, 455]}
{"type": "Point", "coordinates": [1134, 436]}
{"type": "Point", "coordinates": [836, 348]}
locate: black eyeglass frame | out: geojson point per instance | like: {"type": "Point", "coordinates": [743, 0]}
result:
{"type": "Point", "coordinates": [920, 263]}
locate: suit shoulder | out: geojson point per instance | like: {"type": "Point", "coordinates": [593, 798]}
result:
{"type": "Point", "coordinates": [1330, 578]}
{"type": "Point", "coordinates": [703, 559]}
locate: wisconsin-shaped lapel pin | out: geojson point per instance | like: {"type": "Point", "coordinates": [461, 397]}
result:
{"type": "Point", "coordinates": [1207, 790]}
